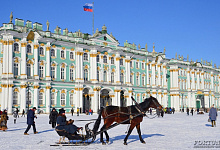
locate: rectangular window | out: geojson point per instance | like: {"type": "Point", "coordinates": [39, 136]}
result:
{"type": "Point", "coordinates": [53, 72]}
{"type": "Point", "coordinates": [71, 74]}
{"type": "Point", "coordinates": [71, 99]}
{"type": "Point", "coordinates": [41, 72]}
{"type": "Point", "coordinates": [28, 70]}
{"type": "Point", "coordinates": [142, 65]}
{"type": "Point", "coordinates": [121, 61]}
{"type": "Point", "coordinates": [15, 69]}
{"type": "Point", "coordinates": [53, 99]}
{"type": "Point", "coordinates": [40, 98]}
{"type": "Point", "coordinates": [62, 74]}
{"type": "Point", "coordinates": [143, 81]}
{"type": "Point", "coordinates": [137, 65]}
{"type": "Point", "coordinates": [131, 64]}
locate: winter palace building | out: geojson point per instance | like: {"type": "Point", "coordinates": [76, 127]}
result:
{"type": "Point", "coordinates": [66, 69]}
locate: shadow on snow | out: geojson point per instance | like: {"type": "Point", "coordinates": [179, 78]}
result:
{"type": "Point", "coordinates": [208, 125]}
{"type": "Point", "coordinates": [46, 131]}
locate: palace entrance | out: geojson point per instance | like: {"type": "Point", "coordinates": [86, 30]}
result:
{"type": "Point", "coordinates": [86, 100]}
{"type": "Point", "coordinates": [105, 99]}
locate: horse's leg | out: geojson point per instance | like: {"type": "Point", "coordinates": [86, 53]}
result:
{"type": "Point", "coordinates": [107, 136]}
{"type": "Point", "coordinates": [101, 135]}
{"type": "Point", "coordinates": [129, 132]}
{"type": "Point", "coordinates": [139, 133]}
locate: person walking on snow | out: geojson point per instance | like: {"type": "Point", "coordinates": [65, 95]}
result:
{"type": "Point", "coordinates": [30, 121]}
{"type": "Point", "coordinates": [213, 115]}
{"type": "Point", "coordinates": [53, 117]}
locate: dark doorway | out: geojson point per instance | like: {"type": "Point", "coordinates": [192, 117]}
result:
{"type": "Point", "coordinates": [201, 97]}
{"type": "Point", "coordinates": [86, 101]}
{"type": "Point", "coordinates": [123, 100]}
{"type": "Point", "coordinates": [105, 99]}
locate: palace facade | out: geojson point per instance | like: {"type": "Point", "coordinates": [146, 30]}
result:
{"type": "Point", "coordinates": [66, 69]}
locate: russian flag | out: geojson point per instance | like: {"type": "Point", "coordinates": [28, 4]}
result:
{"type": "Point", "coordinates": [88, 7]}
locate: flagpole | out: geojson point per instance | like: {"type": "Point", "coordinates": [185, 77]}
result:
{"type": "Point", "coordinates": [93, 20]}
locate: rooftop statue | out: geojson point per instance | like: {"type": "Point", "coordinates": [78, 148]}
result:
{"type": "Point", "coordinates": [164, 50]}
{"type": "Point", "coordinates": [79, 34]}
{"type": "Point", "coordinates": [139, 46]}
{"type": "Point", "coordinates": [66, 31]}
{"type": "Point", "coordinates": [11, 18]}
{"type": "Point", "coordinates": [146, 47]}
{"type": "Point", "coordinates": [176, 56]}
{"type": "Point", "coordinates": [96, 33]}
{"type": "Point", "coordinates": [57, 30]}
{"type": "Point", "coordinates": [187, 57]}
{"type": "Point", "coordinates": [48, 24]}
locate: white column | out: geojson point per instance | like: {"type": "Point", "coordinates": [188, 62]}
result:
{"type": "Point", "coordinates": [48, 99]}
{"type": "Point", "coordinates": [81, 98]}
{"type": "Point", "coordinates": [95, 100]}
{"type": "Point", "coordinates": [36, 96]}
{"type": "Point", "coordinates": [78, 66]}
{"type": "Point", "coordinates": [147, 74]}
{"type": "Point", "coordinates": [11, 60]}
{"type": "Point", "coordinates": [23, 98]}
{"type": "Point", "coordinates": [10, 98]}
{"type": "Point", "coordinates": [77, 99]}
{"type": "Point", "coordinates": [3, 97]}
{"type": "Point", "coordinates": [212, 81]}
{"type": "Point", "coordinates": [36, 65]}
{"type": "Point", "coordinates": [127, 70]}
{"type": "Point", "coordinates": [5, 59]}
{"type": "Point", "coordinates": [198, 81]}
{"type": "Point", "coordinates": [117, 71]}
{"type": "Point", "coordinates": [159, 77]}
{"type": "Point", "coordinates": [48, 76]}
{"type": "Point", "coordinates": [118, 98]}
{"type": "Point", "coordinates": [23, 61]}
{"type": "Point", "coordinates": [93, 66]}
{"type": "Point", "coordinates": [153, 75]}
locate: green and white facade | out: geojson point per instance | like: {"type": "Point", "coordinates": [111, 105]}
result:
{"type": "Point", "coordinates": [71, 70]}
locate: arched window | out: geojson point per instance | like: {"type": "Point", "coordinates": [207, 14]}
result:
{"type": "Point", "coordinates": [71, 55]}
{"type": "Point", "coordinates": [41, 51]}
{"type": "Point", "coordinates": [85, 56]}
{"type": "Point", "coordinates": [15, 98]}
{"type": "Point", "coordinates": [131, 79]}
{"type": "Point", "coordinates": [53, 72]}
{"type": "Point", "coordinates": [62, 73]}
{"type": "Point", "coordinates": [28, 48]}
{"type": "Point", "coordinates": [41, 98]}
{"type": "Point", "coordinates": [28, 70]}
{"type": "Point", "coordinates": [122, 78]}
{"type": "Point", "coordinates": [104, 59]}
{"type": "Point", "coordinates": [16, 47]}
{"type": "Point", "coordinates": [131, 64]}
{"type": "Point", "coordinates": [98, 75]}
{"type": "Point", "coordinates": [15, 69]}
{"type": "Point", "coordinates": [121, 61]}
{"type": "Point", "coordinates": [71, 74]}
{"type": "Point", "coordinates": [52, 53]}
{"type": "Point", "coordinates": [112, 77]}
{"type": "Point", "coordinates": [142, 64]}
{"type": "Point", "coordinates": [112, 61]}
{"type": "Point", "coordinates": [105, 76]}
{"type": "Point", "coordinates": [137, 79]}
{"type": "Point", "coordinates": [71, 99]}
{"type": "Point", "coordinates": [137, 65]}
{"type": "Point", "coordinates": [63, 99]}
{"type": "Point", "coordinates": [28, 97]}
{"type": "Point", "coordinates": [143, 80]}
{"type": "Point", "coordinates": [62, 55]}
{"type": "Point", "coordinates": [85, 75]}
{"type": "Point", "coordinates": [41, 71]}
{"type": "Point", "coordinates": [52, 98]}
{"type": "Point", "coordinates": [97, 58]}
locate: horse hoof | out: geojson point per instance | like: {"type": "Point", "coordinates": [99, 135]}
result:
{"type": "Point", "coordinates": [143, 142]}
{"type": "Point", "coordinates": [103, 143]}
{"type": "Point", "coordinates": [125, 143]}
{"type": "Point", "coordinates": [107, 142]}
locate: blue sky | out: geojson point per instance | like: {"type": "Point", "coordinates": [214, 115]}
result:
{"type": "Point", "coordinates": [188, 27]}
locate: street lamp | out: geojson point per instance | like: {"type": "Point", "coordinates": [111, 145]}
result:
{"type": "Point", "coordinates": [28, 85]}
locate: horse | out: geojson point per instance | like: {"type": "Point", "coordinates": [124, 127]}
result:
{"type": "Point", "coordinates": [112, 114]}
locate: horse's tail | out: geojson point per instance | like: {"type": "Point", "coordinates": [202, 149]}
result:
{"type": "Point", "coordinates": [97, 123]}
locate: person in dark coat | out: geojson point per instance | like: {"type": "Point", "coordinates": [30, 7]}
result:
{"type": "Point", "coordinates": [192, 111]}
{"type": "Point", "coordinates": [150, 111]}
{"type": "Point", "coordinates": [72, 111]}
{"type": "Point", "coordinates": [213, 115]}
{"type": "Point", "coordinates": [3, 120]}
{"type": "Point", "coordinates": [23, 113]}
{"type": "Point", "coordinates": [17, 111]}
{"type": "Point", "coordinates": [158, 112]}
{"type": "Point", "coordinates": [62, 124]}
{"type": "Point", "coordinates": [162, 113]}
{"type": "Point", "coordinates": [30, 121]}
{"type": "Point", "coordinates": [187, 110]}
{"type": "Point", "coordinates": [53, 117]}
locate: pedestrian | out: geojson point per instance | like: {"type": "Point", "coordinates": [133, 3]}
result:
{"type": "Point", "coordinates": [150, 111]}
{"type": "Point", "coordinates": [30, 121]}
{"type": "Point", "coordinates": [192, 111]}
{"type": "Point", "coordinates": [77, 112]}
{"type": "Point", "coordinates": [187, 110]}
{"type": "Point", "coordinates": [197, 110]}
{"type": "Point", "coordinates": [3, 120]}
{"type": "Point", "coordinates": [173, 110]}
{"type": "Point", "coordinates": [158, 112]}
{"type": "Point", "coordinates": [213, 115]}
{"type": "Point", "coordinates": [15, 115]}
{"type": "Point", "coordinates": [162, 113]}
{"type": "Point", "coordinates": [90, 111]}
{"type": "Point", "coordinates": [53, 117]}
{"type": "Point", "coordinates": [72, 111]}
{"type": "Point", "coordinates": [17, 111]}
{"type": "Point", "coordinates": [68, 126]}
{"type": "Point", "coordinates": [23, 113]}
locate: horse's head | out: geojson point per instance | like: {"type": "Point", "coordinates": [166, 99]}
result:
{"type": "Point", "coordinates": [154, 103]}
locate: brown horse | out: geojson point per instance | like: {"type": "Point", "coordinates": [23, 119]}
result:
{"type": "Point", "coordinates": [118, 114]}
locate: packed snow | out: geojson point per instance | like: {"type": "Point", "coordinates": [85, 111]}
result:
{"type": "Point", "coordinates": [173, 131]}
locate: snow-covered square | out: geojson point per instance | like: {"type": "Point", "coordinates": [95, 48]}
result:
{"type": "Point", "coordinates": [173, 131]}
